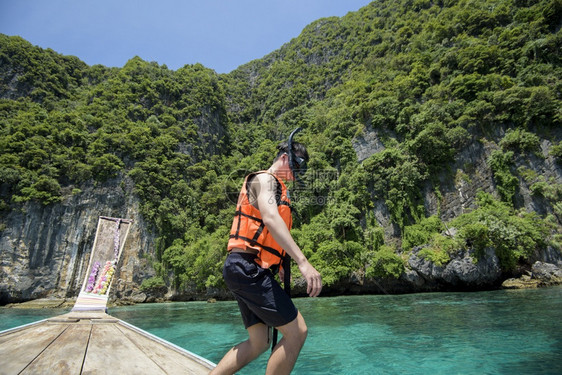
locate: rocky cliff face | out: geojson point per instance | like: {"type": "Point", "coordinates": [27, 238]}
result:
{"type": "Point", "coordinates": [471, 174]}
{"type": "Point", "coordinates": [44, 250]}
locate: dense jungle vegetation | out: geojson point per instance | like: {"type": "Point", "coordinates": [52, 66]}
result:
{"type": "Point", "coordinates": [430, 78]}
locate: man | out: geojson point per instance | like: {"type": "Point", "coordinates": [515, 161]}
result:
{"type": "Point", "coordinates": [259, 239]}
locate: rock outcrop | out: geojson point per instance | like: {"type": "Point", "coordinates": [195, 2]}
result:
{"type": "Point", "coordinates": [541, 274]}
{"type": "Point", "coordinates": [464, 271]}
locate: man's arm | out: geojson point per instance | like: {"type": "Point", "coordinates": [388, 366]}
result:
{"type": "Point", "coordinates": [264, 187]}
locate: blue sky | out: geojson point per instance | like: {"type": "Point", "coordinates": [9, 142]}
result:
{"type": "Point", "coordinates": [220, 34]}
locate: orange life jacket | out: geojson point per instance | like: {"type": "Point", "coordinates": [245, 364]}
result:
{"type": "Point", "coordinates": [249, 231]}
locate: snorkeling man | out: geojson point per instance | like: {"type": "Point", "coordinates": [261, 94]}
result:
{"type": "Point", "coordinates": [259, 240]}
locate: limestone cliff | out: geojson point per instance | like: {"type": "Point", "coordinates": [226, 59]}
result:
{"type": "Point", "coordinates": [45, 249]}
{"type": "Point", "coordinates": [470, 173]}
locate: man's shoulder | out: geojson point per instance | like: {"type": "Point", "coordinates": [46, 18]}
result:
{"type": "Point", "coordinates": [264, 180]}
{"type": "Point", "coordinates": [265, 176]}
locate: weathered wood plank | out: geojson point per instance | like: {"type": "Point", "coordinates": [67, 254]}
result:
{"type": "Point", "coordinates": [109, 351]}
{"type": "Point", "coordinates": [20, 348]}
{"type": "Point", "coordinates": [65, 355]}
{"type": "Point", "coordinates": [98, 344]}
{"type": "Point", "coordinates": [169, 359]}
{"type": "Point", "coordinates": [82, 315]}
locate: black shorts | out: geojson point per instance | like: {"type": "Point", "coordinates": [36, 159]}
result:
{"type": "Point", "coordinates": [260, 297]}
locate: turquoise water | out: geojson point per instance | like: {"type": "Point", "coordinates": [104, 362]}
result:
{"type": "Point", "coordinates": [497, 332]}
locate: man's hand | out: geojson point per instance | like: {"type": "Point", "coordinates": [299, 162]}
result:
{"type": "Point", "coordinates": [312, 277]}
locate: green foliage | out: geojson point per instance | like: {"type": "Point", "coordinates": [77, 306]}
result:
{"type": "Point", "coordinates": [500, 163]}
{"type": "Point", "coordinates": [385, 263]}
{"type": "Point", "coordinates": [520, 140]}
{"type": "Point", "coordinates": [439, 249]}
{"type": "Point", "coordinates": [396, 177]}
{"type": "Point", "coordinates": [336, 260]}
{"type": "Point", "coordinates": [311, 235]}
{"type": "Point", "coordinates": [374, 237]}
{"type": "Point", "coordinates": [514, 235]}
{"type": "Point", "coordinates": [106, 166]}
{"type": "Point", "coordinates": [52, 77]}
{"type": "Point", "coordinates": [421, 233]}
{"type": "Point", "coordinates": [197, 261]}
{"type": "Point", "coordinates": [432, 146]}
{"type": "Point", "coordinates": [556, 151]}
{"type": "Point", "coordinates": [152, 283]}
{"type": "Point", "coordinates": [551, 191]}
{"type": "Point", "coordinates": [477, 235]}
{"type": "Point", "coordinates": [45, 189]}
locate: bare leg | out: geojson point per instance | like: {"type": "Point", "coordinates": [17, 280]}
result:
{"type": "Point", "coordinates": [245, 352]}
{"type": "Point", "coordinates": [286, 352]}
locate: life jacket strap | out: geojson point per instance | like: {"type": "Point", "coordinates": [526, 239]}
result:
{"type": "Point", "coordinates": [238, 215]}
{"type": "Point", "coordinates": [267, 248]}
{"type": "Point", "coordinates": [257, 234]}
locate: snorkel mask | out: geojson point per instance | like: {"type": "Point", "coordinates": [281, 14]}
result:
{"type": "Point", "coordinates": [296, 163]}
